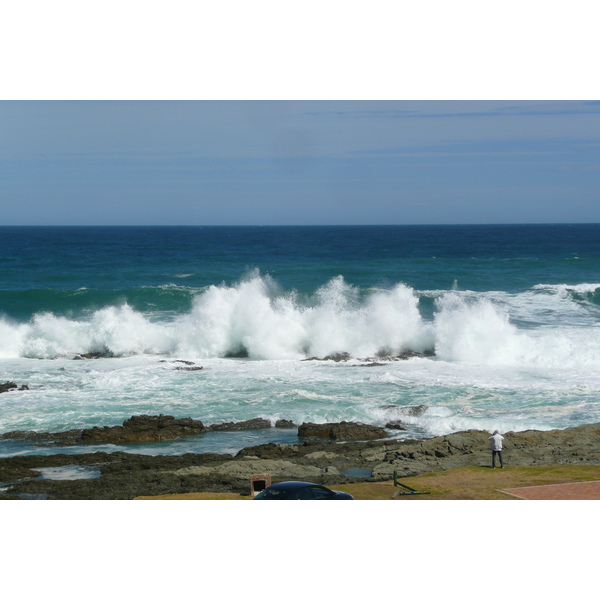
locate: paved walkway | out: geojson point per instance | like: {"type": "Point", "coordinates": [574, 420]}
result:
{"type": "Point", "coordinates": [583, 490]}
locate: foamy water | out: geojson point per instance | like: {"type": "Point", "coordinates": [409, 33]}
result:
{"type": "Point", "coordinates": [487, 372]}
{"type": "Point", "coordinates": [512, 315]}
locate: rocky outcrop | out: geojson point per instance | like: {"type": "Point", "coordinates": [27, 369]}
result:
{"type": "Point", "coordinates": [94, 355]}
{"type": "Point", "coordinates": [398, 425]}
{"type": "Point", "coordinates": [336, 357]}
{"type": "Point", "coordinates": [125, 475]}
{"type": "Point", "coordinates": [372, 362]}
{"type": "Point", "coordinates": [9, 386]}
{"type": "Point", "coordinates": [71, 436]}
{"type": "Point", "coordinates": [342, 431]}
{"type": "Point", "coordinates": [575, 445]}
{"type": "Point", "coordinates": [143, 428]}
{"type": "Point", "coordinates": [408, 411]}
{"type": "Point", "coordinates": [250, 465]}
{"type": "Point", "coordinates": [190, 366]}
{"type": "Point", "coordinates": [257, 423]}
{"type": "Point", "coordinates": [240, 425]}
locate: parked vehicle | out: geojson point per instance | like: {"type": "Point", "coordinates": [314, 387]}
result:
{"type": "Point", "coordinates": [301, 490]}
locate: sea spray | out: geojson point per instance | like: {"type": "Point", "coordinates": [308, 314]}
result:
{"type": "Point", "coordinates": [253, 317]}
{"type": "Point", "coordinates": [478, 331]}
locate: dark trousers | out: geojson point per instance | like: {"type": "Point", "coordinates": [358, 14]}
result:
{"type": "Point", "coordinates": [494, 454]}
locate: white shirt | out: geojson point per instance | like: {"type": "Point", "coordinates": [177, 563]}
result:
{"type": "Point", "coordinates": [496, 441]}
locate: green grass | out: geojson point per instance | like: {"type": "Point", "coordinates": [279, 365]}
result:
{"type": "Point", "coordinates": [464, 483]}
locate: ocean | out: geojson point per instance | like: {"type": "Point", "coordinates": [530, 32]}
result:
{"type": "Point", "coordinates": [500, 323]}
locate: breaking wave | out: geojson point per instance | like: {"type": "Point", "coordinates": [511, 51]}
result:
{"type": "Point", "coordinates": [255, 318]}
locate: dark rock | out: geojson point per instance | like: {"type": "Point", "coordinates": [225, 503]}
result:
{"type": "Point", "coordinates": [342, 431]}
{"type": "Point", "coordinates": [285, 424]}
{"type": "Point", "coordinates": [70, 436]}
{"type": "Point", "coordinates": [94, 355]}
{"type": "Point", "coordinates": [412, 354]}
{"type": "Point", "coordinates": [8, 386]}
{"type": "Point", "coordinates": [126, 475]}
{"type": "Point", "coordinates": [409, 411]}
{"type": "Point", "coordinates": [189, 364]}
{"type": "Point", "coordinates": [144, 428]}
{"type": "Point", "coordinates": [241, 353]}
{"type": "Point", "coordinates": [395, 425]}
{"type": "Point", "coordinates": [241, 425]}
{"type": "Point", "coordinates": [336, 356]}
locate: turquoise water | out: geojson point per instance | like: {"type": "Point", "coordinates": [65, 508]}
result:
{"type": "Point", "coordinates": [512, 314]}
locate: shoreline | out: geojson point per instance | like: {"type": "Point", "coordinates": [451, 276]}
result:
{"type": "Point", "coordinates": [121, 475]}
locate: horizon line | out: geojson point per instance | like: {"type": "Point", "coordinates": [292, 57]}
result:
{"type": "Point", "coordinates": [322, 225]}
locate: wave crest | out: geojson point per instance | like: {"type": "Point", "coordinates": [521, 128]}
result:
{"type": "Point", "coordinates": [256, 318]}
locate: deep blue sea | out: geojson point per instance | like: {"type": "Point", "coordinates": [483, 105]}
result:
{"type": "Point", "coordinates": [508, 317]}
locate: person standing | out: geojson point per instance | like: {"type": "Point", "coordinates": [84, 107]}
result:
{"type": "Point", "coordinates": [496, 445]}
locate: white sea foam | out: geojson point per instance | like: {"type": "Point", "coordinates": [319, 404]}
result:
{"type": "Point", "coordinates": [255, 317]}
{"type": "Point", "coordinates": [480, 332]}
{"type": "Point", "coordinates": [69, 473]}
{"type": "Point", "coordinates": [582, 288]}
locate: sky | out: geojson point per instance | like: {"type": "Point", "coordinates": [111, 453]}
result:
{"type": "Point", "coordinates": [291, 162]}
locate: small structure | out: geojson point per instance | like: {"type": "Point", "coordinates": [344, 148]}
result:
{"type": "Point", "coordinates": [259, 482]}
{"type": "Point", "coordinates": [409, 491]}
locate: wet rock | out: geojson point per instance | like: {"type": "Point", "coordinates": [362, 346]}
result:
{"type": "Point", "coordinates": [409, 411]}
{"type": "Point", "coordinates": [191, 366]}
{"type": "Point", "coordinates": [241, 353]}
{"type": "Point", "coordinates": [72, 435]}
{"type": "Point", "coordinates": [395, 425]}
{"type": "Point", "coordinates": [342, 431]}
{"type": "Point", "coordinates": [241, 425]}
{"type": "Point", "coordinates": [143, 428]}
{"type": "Point", "coordinates": [140, 429]}
{"type": "Point", "coordinates": [411, 354]}
{"type": "Point", "coordinates": [9, 386]}
{"type": "Point", "coordinates": [94, 355]}
{"type": "Point", "coordinates": [256, 423]}
{"type": "Point", "coordinates": [336, 356]}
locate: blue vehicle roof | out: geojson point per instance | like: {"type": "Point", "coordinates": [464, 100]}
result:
{"type": "Point", "coordinates": [293, 485]}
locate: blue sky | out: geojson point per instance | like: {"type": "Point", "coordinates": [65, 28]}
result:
{"type": "Point", "coordinates": [298, 162]}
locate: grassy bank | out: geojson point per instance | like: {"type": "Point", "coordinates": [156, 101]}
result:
{"type": "Point", "coordinates": [465, 483]}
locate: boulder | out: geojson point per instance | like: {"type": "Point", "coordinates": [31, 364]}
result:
{"type": "Point", "coordinates": [342, 431]}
